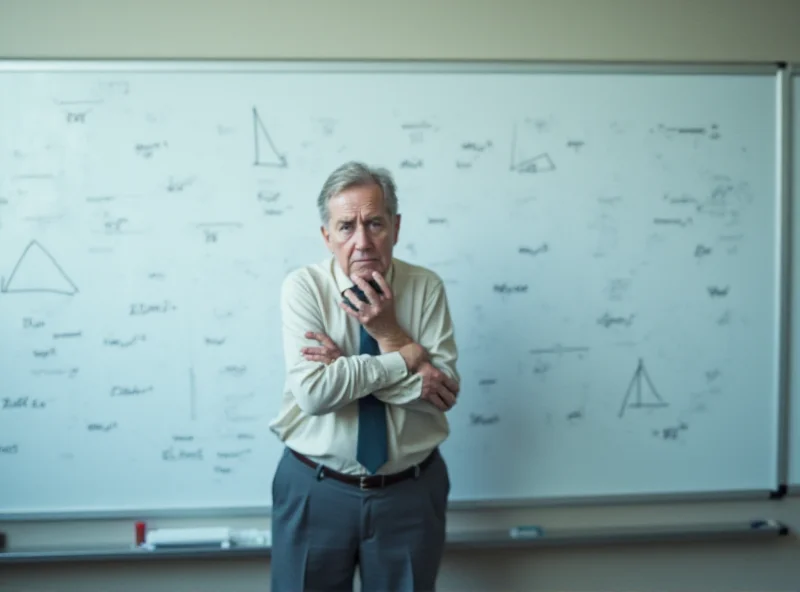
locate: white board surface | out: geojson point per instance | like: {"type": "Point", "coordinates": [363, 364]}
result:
{"type": "Point", "coordinates": [608, 242]}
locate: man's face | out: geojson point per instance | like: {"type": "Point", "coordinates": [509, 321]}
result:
{"type": "Point", "coordinates": [360, 233]}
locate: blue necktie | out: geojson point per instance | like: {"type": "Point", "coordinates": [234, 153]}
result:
{"type": "Point", "coordinates": [372, 449]}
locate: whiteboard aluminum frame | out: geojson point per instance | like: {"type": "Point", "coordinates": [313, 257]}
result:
{"type": "Point", "coordinates": [783, 79]}
{"type": "Point", "coordinates": [238, 66]}
{"type": "Point", "coordinates": [785, 254]}
{"type": "Point", "coordinates": [247, 512]}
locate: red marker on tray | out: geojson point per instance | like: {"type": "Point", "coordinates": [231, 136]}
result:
{"type": "Point", "coordinates": [141, 531]}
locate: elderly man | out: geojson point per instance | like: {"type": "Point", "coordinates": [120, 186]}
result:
{"type": "Point", "coordinates": [370, 373]}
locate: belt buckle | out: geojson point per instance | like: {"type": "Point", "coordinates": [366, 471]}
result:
{"type": "Point", "coordinates": [363, 482]}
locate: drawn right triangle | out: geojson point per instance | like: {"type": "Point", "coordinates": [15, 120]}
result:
{"type": "Point", "coordinates": [538, 164]}
{"type": "Point", "coordinates": [266, 153]}
{"type": "Point", "coordinates": [526, 156]}
{"type": "Point", "coordinates": [38, 271]}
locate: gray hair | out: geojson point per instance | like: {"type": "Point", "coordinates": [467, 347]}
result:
{"type": "Point", "coordinates": [355, 174]}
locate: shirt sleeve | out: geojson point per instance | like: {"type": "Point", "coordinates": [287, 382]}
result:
{"type": "Point", "coordinates": [437, 336]}
{"type": "Point", "coordinates": [322, 388]}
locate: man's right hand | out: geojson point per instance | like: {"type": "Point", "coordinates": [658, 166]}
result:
{"type": "Point", "coordinates": [437, 388]}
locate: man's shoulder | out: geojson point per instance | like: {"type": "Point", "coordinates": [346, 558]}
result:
{"type": "Point", "coordinates": [310, 276]}
{"type": "Point", "coordinates": [417, 274]}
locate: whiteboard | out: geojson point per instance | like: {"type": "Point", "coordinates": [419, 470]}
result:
{"type": "Point", "coordinates": [608, 240]}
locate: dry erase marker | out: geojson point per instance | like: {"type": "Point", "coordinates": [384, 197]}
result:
{"type": "Point", "coordinates": [526, 532]}
{"type": "Point", "coordinates": [140, 531]}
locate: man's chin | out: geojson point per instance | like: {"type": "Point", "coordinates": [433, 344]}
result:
{"type": "Point", "coordinates": [365, 268]}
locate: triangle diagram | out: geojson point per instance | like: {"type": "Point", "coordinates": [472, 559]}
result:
{"type": "Point", "coordinates": [266, 153]}
{"type": "Point", "coordinates": [38, 271]}
{"type": "Point", "coordinates": [526, 160]}
{"type": "Point", "coordinates": [538, 164]}
{"type": "Point", "coordinates": [645, 392]}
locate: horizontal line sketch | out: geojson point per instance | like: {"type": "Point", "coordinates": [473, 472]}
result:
{"type": "Point", "coordinates": [711, 131]}
{"type": "Point", "coordinates": [68, 335]}
{"type": "Point", "coordinates": [80, 102]}
{"type": "Point", "coordinates": [38, 271]}
{"type": "Point", "coordinates": [416, 125]}
{"type": "Point", "coordinates": [34, 176]}
{"type": "Point", "coordinates": [266, 153]}
{"type": "Point", "coordinates": [653, 400]}
{"type": "Point", "coordinates": [71, 373]}
{"type": "Point", "coordinates": [219, 224]}
{"type": "Point", "coordinates": [673, 221]}
{"type": "Point", "coordinates": [560, 349]}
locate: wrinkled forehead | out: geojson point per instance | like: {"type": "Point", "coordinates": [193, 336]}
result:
{"type": "Point", "coordinates": [359, 202]}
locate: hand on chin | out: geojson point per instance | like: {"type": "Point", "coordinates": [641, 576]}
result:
{"type": "Point", "coordinates": [364, 269]}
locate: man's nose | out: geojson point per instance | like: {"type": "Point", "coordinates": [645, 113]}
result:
{"type": "Point", "coordinates": [362, 238]}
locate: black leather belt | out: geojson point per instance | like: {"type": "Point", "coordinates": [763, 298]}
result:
{"type": "Point", "coordinates": [369, 481]}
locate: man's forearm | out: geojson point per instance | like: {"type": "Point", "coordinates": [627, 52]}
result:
{"type": "Point", "coordinates": [323, 388]}
{"type": "Point", "coordinates": [412, 352]}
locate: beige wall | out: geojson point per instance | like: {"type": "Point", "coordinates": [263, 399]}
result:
{"type": "Point", "coordinates": [642, 30]}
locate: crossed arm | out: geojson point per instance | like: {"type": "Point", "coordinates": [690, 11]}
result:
{"type": "Point", "coordinates": [420, 375]}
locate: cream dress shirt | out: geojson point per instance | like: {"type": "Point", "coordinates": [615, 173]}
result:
{"type": "Point", "coordinates": [318, 416]}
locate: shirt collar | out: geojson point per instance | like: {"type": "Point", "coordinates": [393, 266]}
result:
{"type": "Point", "coordinates": [343, 282]}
